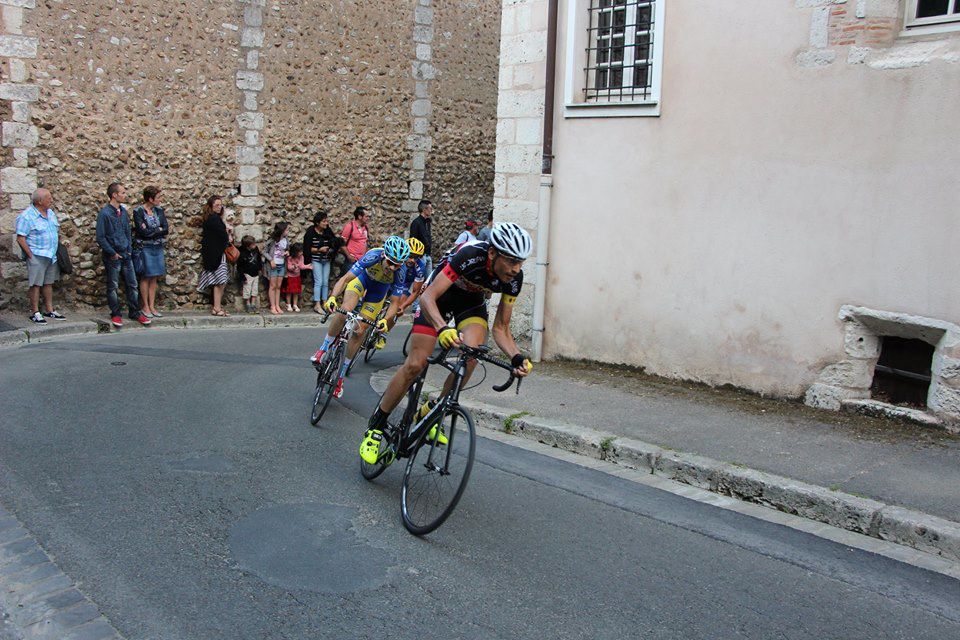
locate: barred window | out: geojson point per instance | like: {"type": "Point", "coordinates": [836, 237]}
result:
{"type": "Point", "coordinates": [620, 46]}
{"type": "Point", "coordinates": [922, 13]}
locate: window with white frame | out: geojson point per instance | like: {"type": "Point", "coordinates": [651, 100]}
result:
{"type": "Point", "coordinates": [614, 58]}
{"type": "Point", "coordinates": [925, 13]}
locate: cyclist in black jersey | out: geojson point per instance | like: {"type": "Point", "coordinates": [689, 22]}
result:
{"type": "Point", "coordinates": [459, 289]}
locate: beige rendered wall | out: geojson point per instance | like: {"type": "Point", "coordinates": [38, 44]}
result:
{"type": "Point", "coordinates": [787, 175]}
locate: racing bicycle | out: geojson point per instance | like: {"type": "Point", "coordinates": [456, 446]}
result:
{"type": "Point", "coordinates": [328, 369]}
{"type": "Point", "coordinates": [436, 474]}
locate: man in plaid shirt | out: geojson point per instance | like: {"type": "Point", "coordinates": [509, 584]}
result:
{"type": "Point", "coordinates": [38, 233]}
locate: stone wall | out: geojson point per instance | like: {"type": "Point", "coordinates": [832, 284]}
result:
{"type": "Point", "coordinates": [283, 108]}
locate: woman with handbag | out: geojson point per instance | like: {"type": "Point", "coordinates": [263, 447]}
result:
{"type": "Point", "coordinates": [150, 230]}
{"type": "Point", "coordinates": [215, 238]}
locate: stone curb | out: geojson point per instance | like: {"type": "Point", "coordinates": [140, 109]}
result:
{"type": "Point", "coordinates": [256, 321]}
{"type": "Point", "coordinates": [921, 531]}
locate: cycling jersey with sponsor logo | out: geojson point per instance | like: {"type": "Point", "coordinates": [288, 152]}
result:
{"type": "Point", "coordinates": [469, 269]}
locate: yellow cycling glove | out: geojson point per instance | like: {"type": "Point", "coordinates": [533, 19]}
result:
{"type": "Point", "coordinates": [520, 361]}
{"type": "Point", "coordinates": [331, 304]}
{"type": "Point", "coordinates": [382, 325]}
{"type": "Point", "coordinates": [447, 337]}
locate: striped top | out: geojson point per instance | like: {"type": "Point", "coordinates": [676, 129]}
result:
{"type": "Point", "coordinates": [42, 233]}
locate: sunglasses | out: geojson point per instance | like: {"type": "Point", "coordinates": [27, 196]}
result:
{"type": "Point", "coordinates": [391, 264]}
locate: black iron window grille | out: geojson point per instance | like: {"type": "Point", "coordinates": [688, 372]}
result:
{"type": "Point", "coordinates": [619, 50]}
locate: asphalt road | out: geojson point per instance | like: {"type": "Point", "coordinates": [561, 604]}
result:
{"type": "Point", "coordinates": [175, 477]}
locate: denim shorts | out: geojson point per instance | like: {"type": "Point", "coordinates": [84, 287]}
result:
{"type": "Point", "coordinates": [277, 272]}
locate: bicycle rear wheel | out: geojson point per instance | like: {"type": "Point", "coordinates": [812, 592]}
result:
{"type": "Point", "coordinates": [326, 382]}
{"type": "Point", "coordinates": [370, 346]}
{"type": "Point", "coordinates": [436, 475]}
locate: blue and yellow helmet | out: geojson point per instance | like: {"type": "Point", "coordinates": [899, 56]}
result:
{"type": "Point", "coordinates": [396, 249]}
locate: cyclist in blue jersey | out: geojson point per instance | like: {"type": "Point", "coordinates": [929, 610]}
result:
{"type": "Point", "coordinates": [378, 273]}
{"type": "Point", "coordinates": [416, 274]}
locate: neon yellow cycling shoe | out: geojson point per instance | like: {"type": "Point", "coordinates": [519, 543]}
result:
{"type": "Point", "coordinates": [437, 434]}
{"type": "Point", "coordinates": [370, 447]}
{"type": "Point", "coordinates": [381, 343]}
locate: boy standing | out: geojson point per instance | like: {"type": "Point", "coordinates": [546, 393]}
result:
{"type": "Point", "coordinates": [250, 264]}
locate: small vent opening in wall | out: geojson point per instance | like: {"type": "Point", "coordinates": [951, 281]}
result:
{"type": "Point", "coordinates": [902, 374]}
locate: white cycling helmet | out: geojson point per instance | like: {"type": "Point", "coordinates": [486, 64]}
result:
{"type": "Point", "coordinates": [512, 240]}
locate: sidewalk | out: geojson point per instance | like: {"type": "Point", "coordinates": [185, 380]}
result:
{"type": "Point", "coordinates": [880, 477]}
{"type": "Point", "coordinates": [16, 328]}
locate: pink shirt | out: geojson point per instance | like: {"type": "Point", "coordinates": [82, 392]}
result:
{"type": "Point", "coordinates": [356, 237]}
{"type": "Point", "coordinates": [294, 265]}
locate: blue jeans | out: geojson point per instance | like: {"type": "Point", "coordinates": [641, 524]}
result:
{"type": "Point", "coordinates": [321, 280]}
{"type": "Point", "coordinates": [114, 269]}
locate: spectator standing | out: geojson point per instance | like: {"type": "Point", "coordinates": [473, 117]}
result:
{"type": "Point", "coordinates": [150, 231]}
{"type": "Point", "coordinates": [319, 248]}
{"type": "Point", "coordinates": [114, 238]}
{"type": "Point", "coordinates": [214, 238]}
{"type": "Point", "coordinates": [355, 234]}
{"type": "Point", "coordinates": [38, 234]}
{"type": "Point", "coordinates": [277, 255]}
{"type": "Point", "coordinates": [484, 234]}
{"type": "Point", "coordinates": [249, 265]}
{"type": "Point", "coordinates": [468, 233]}
{"type": "Point", "coordinates": [292, 285]}
{"type": "Point", "coordinates": [421, 229]}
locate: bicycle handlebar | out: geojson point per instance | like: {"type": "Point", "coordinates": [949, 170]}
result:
{"type": "Point", "coordinates": [481, 353]}
{"type": "Point", "coordinates": [355, 314]}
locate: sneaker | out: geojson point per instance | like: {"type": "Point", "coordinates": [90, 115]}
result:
{"type": "Point", "coordinates": [116, 321]}
{"type": "Point", "coordinates": [296, 309]}
{"type": "Point", "coordinates": [148, 314]}
{"type": "Point", "coordinates": [318, 356]}
{"type": "Point", "coordinates": [55, 314]}
{"type": "Point", "coordinates": [144, 320]}
{"type": "Point", "coordinates": [370, 447]}
{"type": "Point", "coordinates": [381, 343]}
{"type": "Point", "coordinates": [289, 308]}
{"type": "Point", "coordinates": [37, 318]}
{"type": "Point", "coordinates": [338, 392]}
{"type": "Point", "coordinates": [157, 314]}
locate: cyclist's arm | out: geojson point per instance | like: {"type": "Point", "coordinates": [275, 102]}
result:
{"type": "Point", "coordinates": [428, 301]}
{"type": "Point", "coordinates": [342, 284]}
{"type": "Point", "coordinates": [394, 309]}
{"type": "Point", "coordinates": [501, 332]}
{"type": "Point", "coordinates": [412, 296]}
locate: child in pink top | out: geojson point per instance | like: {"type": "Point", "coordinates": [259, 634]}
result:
{"type": "Point", "coordinates": [292, 285]}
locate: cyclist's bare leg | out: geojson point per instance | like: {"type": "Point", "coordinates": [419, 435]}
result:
{"type": "Point", "coordinates": [350, 299]}
{"type": "Point", "coordinates": [473, 335]}
{"type": "Point", "coordinates": [421, 346]}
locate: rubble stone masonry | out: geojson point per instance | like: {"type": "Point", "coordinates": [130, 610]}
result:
{"type": "Point", "coordinates": [281, 107]}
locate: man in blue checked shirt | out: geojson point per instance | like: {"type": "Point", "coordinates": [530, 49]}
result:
{"type": "Point", "coordinates": [38, 233]}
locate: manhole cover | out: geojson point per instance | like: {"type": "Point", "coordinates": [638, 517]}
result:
{"type": "Point", "coordinates": [308, 547]}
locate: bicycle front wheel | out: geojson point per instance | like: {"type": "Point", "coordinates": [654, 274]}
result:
{"type": "Point", "coordinates": [436, 474]}
{"type": "Point", "coordinates": [326, 382]}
